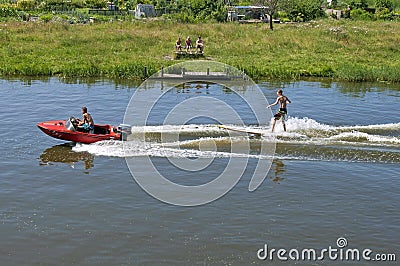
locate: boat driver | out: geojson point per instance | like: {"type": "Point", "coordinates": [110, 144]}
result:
{"type": "Point", "coordinates": [86, 123]}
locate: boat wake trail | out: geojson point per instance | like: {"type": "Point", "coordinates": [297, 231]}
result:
{"type": "Point", "coordinates": [306, 139]}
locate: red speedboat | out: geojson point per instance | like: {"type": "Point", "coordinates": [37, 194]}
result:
{"type": "Point", "coordinates": [66, 130]}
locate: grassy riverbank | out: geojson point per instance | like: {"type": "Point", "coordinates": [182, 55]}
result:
{"type": "Point", "coordinates": [343, 50]}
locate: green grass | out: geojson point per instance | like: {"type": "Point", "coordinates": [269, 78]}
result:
{"type": "Point", "coordinates": [342, 50]}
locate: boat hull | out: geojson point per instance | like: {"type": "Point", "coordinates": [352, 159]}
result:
{"type": "Point", "coordinates": [58, 130]}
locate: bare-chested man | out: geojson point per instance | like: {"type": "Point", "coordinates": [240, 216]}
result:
{"type": "Point", "coordinates": [86, 123]}
{"type": "Point", "coordinates": [282, 100]}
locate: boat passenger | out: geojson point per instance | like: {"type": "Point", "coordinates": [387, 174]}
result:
{"type": "Point", "coordinates": [86, 124]}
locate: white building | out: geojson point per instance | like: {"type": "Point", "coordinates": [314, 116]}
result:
{"type": "Point", "coordinates": [145, 11]}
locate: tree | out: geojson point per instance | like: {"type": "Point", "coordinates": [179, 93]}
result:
{"type": "Point", "coordinates": [304, 10]}
{"type": "Point", "coordinates": [359, 4]}
{"type": "Point", "coordinates": [271, 7]}
{"type": "Point", "coordinates": [384, 4]}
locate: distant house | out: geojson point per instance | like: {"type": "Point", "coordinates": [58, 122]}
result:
{"type": "Point", "coordinates": [237, 13]}
{"type": "Point", "coordinates": [334, 12]}
{"type": "Point", "coordinates": [145, 11]}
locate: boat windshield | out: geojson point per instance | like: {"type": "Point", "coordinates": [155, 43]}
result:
{"type": "Point", "coordinates": [69, 125]}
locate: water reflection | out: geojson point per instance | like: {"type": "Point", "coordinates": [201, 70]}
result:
{"type": "Point", "coordinates": [354, 89]}
{"type": "Point", "coordinates": [116, 83]}
{"type": "Point", "coordinates": [192, 87]}
{"type": "Point", "coordinates": [278, 168]}
{"type": "Point", "coordinates": [64, 154]}
{"type": "Point", "coordinates": [89, 81]}
{"type": "Point", "coordinates": [351, 89]}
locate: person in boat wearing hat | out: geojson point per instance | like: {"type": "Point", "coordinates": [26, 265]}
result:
{"type": "Point", "coordinates": [86, 124]}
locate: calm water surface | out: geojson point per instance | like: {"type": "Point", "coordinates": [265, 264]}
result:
{"type": "Point", "coordinates": [335, 174]}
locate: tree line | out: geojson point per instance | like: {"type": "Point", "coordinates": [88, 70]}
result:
{"type": "Point", "coordinates": [192, 11]}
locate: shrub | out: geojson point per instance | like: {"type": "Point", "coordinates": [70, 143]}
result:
{"type": "Point", "coordinates": [96, 3]}
{"type": "Point", "coordinates": [283, 16]}
{"type": "Point", "coordinates": [383, 13]}
{"type": "Point", "coordinates": [384, 4]}
{"type": "Point", "coordinates": [46, 17]}
{"type": "Point", "coordinates": [305, 10]}
{"type": "Point", "coordinates": [7, 11]}
{"type": "Point", "coordinates": [184, 17]}
{"type": "Point", "coordinates": [361, 4]}
{"type": "Point", "coordinates": [360, 14]}
{"type": "Point", "coordinates": [26, 5]}
{"type": "Point", "coordinates": [199, 11]}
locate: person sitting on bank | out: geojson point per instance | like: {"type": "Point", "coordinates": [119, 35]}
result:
{"type": "Point", "coordinates": [200, 45]}
{"type": "Point", "coordinates": [188, 44]}
{"type": "Point", "coordinates": [178, 45]}
{"type": "Point", "coordinates": [86, 124]}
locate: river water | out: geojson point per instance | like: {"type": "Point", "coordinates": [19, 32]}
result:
{"type": "Point", "coordinates": [334, 174]}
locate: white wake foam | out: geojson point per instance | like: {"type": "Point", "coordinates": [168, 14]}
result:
{"type": "Point", "coordinates": [306, 130]}
{"type": "Point", "coordinates": [297, 124]}
{"type": "Point", "coordinates": [138, 149]}
{"type": "Point", "coordinates": [208, 140]}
